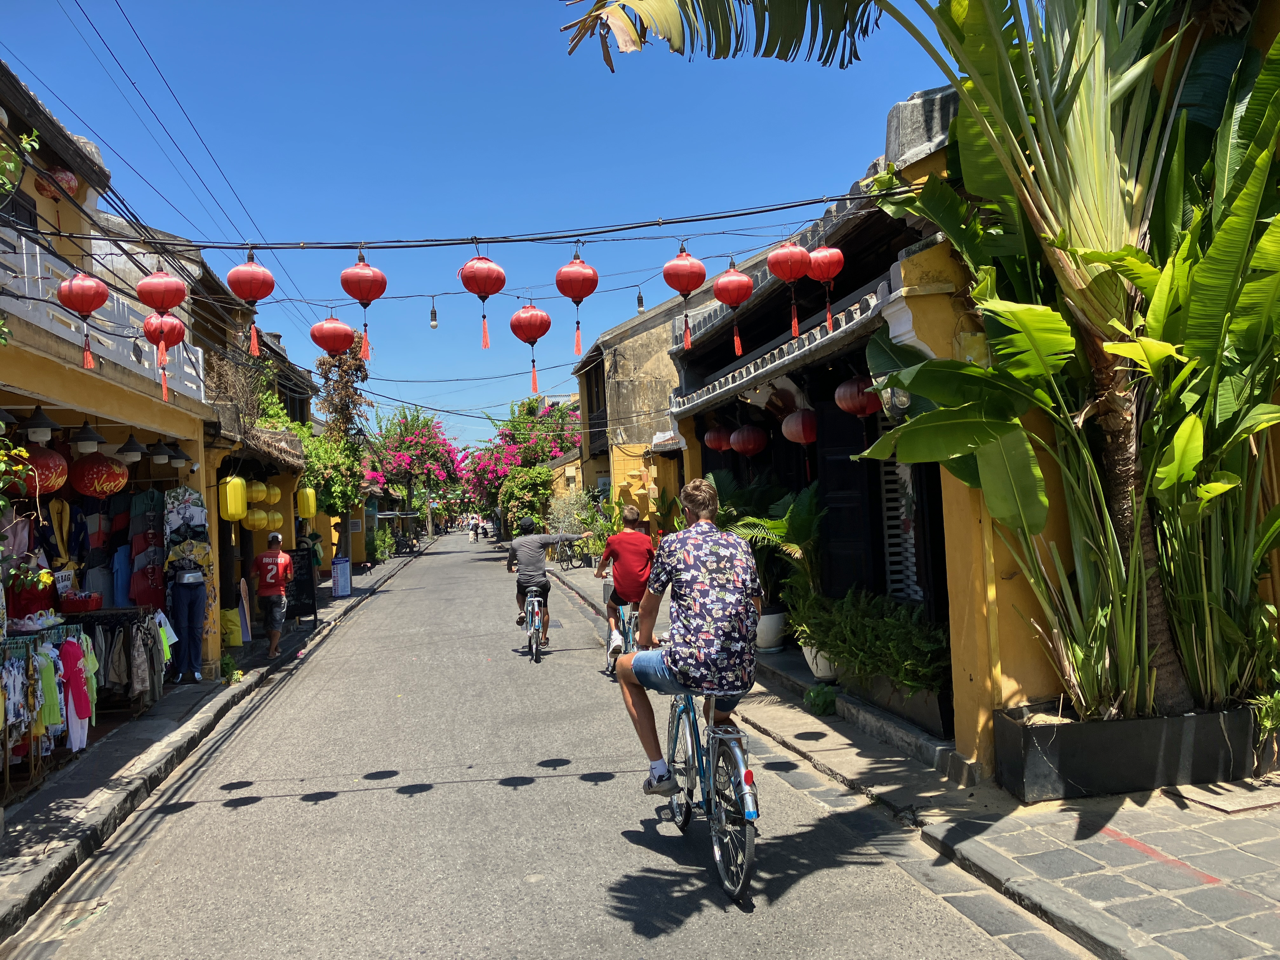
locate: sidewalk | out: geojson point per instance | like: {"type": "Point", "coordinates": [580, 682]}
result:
{"type": "Point", "coordinates": [52, 831]}
{"type": "Point", "coordinates": [1188, 873]}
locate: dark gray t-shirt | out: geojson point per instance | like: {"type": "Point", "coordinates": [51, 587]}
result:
{"type": "Point", "coordinates": [531, 553]}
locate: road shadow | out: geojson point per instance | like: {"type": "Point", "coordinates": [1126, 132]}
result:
{"type": "Point", "coordinates": [659, 901]}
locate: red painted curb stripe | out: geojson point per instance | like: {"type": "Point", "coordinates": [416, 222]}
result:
{"type": "Point", "coordinates": [1155, 854]}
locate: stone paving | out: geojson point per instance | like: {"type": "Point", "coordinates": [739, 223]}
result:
{"type": "Point", "coordinates": [1142, 876]}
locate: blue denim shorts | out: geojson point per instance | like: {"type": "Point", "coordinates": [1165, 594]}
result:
{"type": "Point", "coordinates": [651, 669]}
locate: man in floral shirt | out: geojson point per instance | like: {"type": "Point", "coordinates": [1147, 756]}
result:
{"type": "Point", "coordinates": [715, 606]}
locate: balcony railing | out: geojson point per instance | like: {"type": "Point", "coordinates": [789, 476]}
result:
{"type": "Point", "coordinates": [30, 271]}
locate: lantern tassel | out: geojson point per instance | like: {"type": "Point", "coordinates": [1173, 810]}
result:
{"type": "Point", "coordinates": [364, 343]}
{"type": "Point", "coordinates": [577, 338]}
{"type": "Point", "coordinates": [737, 342]}
{"type": "Point", "coordinates": [795, 321]}
{"type": "Point", "coordinates": [484, 332]}
{"type": "Point", "coordinates": [164, 385]}
{"type": "Point", "coordinates": [162, 354]}
{"type": "Point", "coordinates": [535, 375]}
{"type": "Point", "coordinates": [88, 354]}
{"type": "Point", "coordinates": [829, 309]}
{"type": "Point", "coordinates": [688, 338]}
{"type": "Point", "coordinates": [254, 350]}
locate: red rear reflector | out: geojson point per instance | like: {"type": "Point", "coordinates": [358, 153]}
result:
{"type": "Point", "coordinates": [748, 778]}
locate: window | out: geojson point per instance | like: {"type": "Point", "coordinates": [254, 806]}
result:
{"type": "Point", "coordinates": [21, 210]}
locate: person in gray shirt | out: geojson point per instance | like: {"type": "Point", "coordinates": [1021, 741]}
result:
{"type": "Point", "coordinates": [529, 551]}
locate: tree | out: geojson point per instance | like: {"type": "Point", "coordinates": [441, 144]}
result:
{"type": "Point", "coordinates": [1092, 222]}
{"type": "Point", "coordinates": [336, 472]}
{"type": "Point", "coordinates": [411, 446]}
{"type": "Point", "coordinates": [341, 401]}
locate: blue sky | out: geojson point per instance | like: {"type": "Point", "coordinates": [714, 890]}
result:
{"type": "Point", "coordinates": [405, 120]}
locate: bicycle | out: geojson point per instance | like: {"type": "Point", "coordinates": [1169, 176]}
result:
{"type": "Point", "coordinates": [564, 556]}
{"type": "Point", "coordinates": [729, 800]}
{"type": "Point", "coordinates": [533, 620]}
{"type": "Point", "coordinates": [630, 627]}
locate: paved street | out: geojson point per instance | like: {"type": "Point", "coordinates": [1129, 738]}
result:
{"type": "Point", "coordinates": [416, 787]}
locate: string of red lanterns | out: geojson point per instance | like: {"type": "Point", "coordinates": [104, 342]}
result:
{"type": "Point", "coordinates": [162, 329]}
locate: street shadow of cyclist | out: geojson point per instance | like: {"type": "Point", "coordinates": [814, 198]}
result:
{"type": "Point", "coordinates": [659, 901]}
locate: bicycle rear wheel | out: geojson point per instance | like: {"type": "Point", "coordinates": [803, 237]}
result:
{"type": "Point", "coordinates": [681, 763]}
{"type": "Point", "coordinates": [535, 637]}
{"type": "Point", "coordinates": [733, 836]}
{"type": "Point", "coordinates": [564, 558]}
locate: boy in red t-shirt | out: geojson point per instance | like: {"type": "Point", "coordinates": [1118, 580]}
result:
{"type": "Point", "coordinates": [272, 568]}
{"type": "Point", "coordinates": [632, 554]}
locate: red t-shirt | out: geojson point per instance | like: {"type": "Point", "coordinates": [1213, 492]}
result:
{"type": "Point", "coordinates": [632, 555]}
{"type": "Point", "coordinates": [273, 569]}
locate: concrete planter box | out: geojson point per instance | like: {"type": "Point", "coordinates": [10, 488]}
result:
{"type": "Point", "coordinates": [930, 711]}
{"type": "Point", "coordinates": [1059, 761]}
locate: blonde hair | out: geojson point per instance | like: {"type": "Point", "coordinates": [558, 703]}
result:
{"type": "Point", "coordinates": [700, 497]}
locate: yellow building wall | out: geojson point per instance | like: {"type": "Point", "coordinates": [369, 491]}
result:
{"type": "Point", "coordinates": [661, 471]}
{"type": "Point", "coordinates": [358, 552]}
{"type": "Point", "coordinates": [997, 660]}
{"type": "Point", "coordinates": [692, 450]}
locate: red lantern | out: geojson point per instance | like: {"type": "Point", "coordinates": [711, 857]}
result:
{"type": "Point", "coordinates": [855, 396]}
{"type": "Point", "coordinates": [733, 289]}
{"type": "Point", "coordinates": [748, 440]}
{"type": "Point", "coordinates": [530, 325]}
{"type": "Point", "coordinates": [47, 474]}
{"type": "Point", "coordinates": [251, 282]}
{"type": "Point", "coordinates": [801, 427]}
{"type": "Point", "coordinates": [577, 281]}
{"type": "Point", "coordinates": [164, 331]}
{"type": "Point", "coordinates": [83, 294]}
{"type": "Point", "coordinates": [333, 336]}
{"type": "Point", "coordinates": [364, 284]}
{"type": "Point", "coordinates": [684, 275]}
{"type": "Point", "coordinates": [484, 278]}
{"type": "Point", "coordinates": [717, 438]}
{"type": "Point", "coordinates": [64, 178]}
{"type": "Point", "coordinates": [161, 292]}
{"type": "Point", "coordinates": [789, 263]}
{"type": "Point", "coordinates": [98, 476]}
{"type": "Point", "coordinates": [825, 265]}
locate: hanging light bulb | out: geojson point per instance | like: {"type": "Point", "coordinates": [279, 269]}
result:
{"type": "Point", "coordinates": [435, 322]}
{"type": "Point", "coordinates": [87, 439]}
{"type": "Point", "coordinates": [639, 301]}
{"type": "Point", "coordinates": [131, 451]}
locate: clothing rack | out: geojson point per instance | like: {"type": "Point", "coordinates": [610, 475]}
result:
{"type": "Point", "coordinates": [26, 645]}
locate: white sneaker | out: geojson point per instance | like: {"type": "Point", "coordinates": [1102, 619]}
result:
{"type": "Point", "coordinates": [615, 644]}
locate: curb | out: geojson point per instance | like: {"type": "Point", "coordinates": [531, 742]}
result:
{"type": "Point", "coordinates": [104, 816]}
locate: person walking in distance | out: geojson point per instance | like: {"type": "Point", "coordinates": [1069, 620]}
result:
{"type": "Point", "coordinates": [475, 529]}
{"type": "Point", "coordinates": [273, 568]}
{"type": "Point", "coordinates": [715, 608]}
{"type": "Point", "coordinates": [632, 554]}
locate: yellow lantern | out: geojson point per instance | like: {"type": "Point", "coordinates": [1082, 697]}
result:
{"type": "Point", "coordinates": [273, 493]}
{"type": "Point", "coordinates": [275, 520]}
{"type": "Point", "coordinates": [257, 491]}
{"type": "Point", "coordinates": [232, 502]}
{"type": "Point", "coordinates": [306, 503]}
{"type": "Point", "coordinates": [255, 519]}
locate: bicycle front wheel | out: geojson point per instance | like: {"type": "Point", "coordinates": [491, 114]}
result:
{"type": "Point", "coordinates": [733, 836]}
{"type": "Point", "coordinates": [681, 763]}
{"type": "Point", "coordinates": [564, 558]}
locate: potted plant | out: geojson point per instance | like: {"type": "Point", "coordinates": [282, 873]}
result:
{"type": "Point", "coordinates": [791, 534]}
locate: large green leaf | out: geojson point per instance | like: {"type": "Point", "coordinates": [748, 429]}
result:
{"type": "Point", "coordinates": [1183, 455]}
{"type": "Point", "coordinates": [1216, 279]}
{"type": "Point", "coordinates": [1131, 263]}
{"type": "Point", "coordinates": [950, 383]}
{"type": "Point", "coordinates": [885, 357]}
{"type": "Point", "coordinates": [941, 204]}
{"type": "Point", "coordinates": [941, 434]}
{"type": "Point", "coordinates": [1028, 341]}
{"type": "Point", "coordinates": [1231, 145]}
{"type": "Point", "coordinates": [1147, 353]}
{"type": "Point", "coordinates": [1260, 417]}
{"type": "Point", "coordinates": [1013, 484]}
{"type": "Point", "coordinates": [1258, 306]}
{"type": "Point", "coordinates": [965, 469]}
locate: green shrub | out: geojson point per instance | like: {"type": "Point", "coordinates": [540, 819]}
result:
{"type": "Point", "coordinates": [384, 544]}
{"type": "Point", "coordinates": [820, 699]}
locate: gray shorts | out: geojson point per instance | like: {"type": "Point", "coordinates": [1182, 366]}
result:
{"type": "Point", "coordinates": [272, 612]}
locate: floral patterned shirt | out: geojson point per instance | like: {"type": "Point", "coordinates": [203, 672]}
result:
{"type": "Point", "coordinates": [712, 575]}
